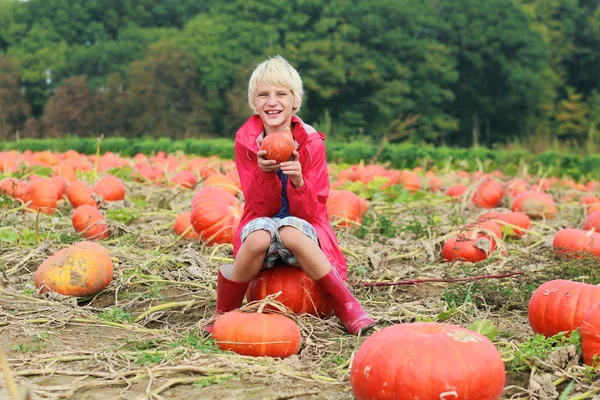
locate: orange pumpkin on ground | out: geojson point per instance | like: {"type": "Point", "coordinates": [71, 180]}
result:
{"type": "Point", "coordinates": [560, 305]}
{"type": "Point", "coordinates": [535, 204]}
{"type": "Point", "coordinates": [299, 292]}
{"type": "Point", "coordinates": [257, 334]}
{"type": "Point", "coordinates": [89, 222]}
{"type": "Point", "coordinates": [521, 220]}
{"type": "Point", "coordinates": [516, 186]}
{"type": "Point", "coordinates": [279, 146]}
{"type": "Point", "coordinates": [590, 336]}
{"type": "Point", "coordinates": [82, 269]}
{"type": "Point", "coordinates": [345, 205]}
{"type": "Point", "coordinates": [215, 215]}
{"type": "Point", "coordinates": [456, 190]}
{"type": "Point", "coordinates": [79, 193]}
{"type": "Point", "coordinates": [186, 179]}
{"type": "Point", "coordinates": [488, 194]}
{"type": "Point", "coordinates": [43, 196]}
{"type": "Point", "coordinates": [593, 208]}
{"type": "Point", "coordinates": [15, 188]}
{"type": "Point", "coordinates": [183, 224]}
{"type": "Point", "coordinates": [589, 199]}
{"type": "Point", "coordinates": [427, 361]}
{"type": "Point", "coordinates": [224, 182]}
{"type": "Point", "coordinates": [592, 221]}
{"type": "Point", "coordinates": [60, 186]}
{"type": "Point", "coordinates": [110, 188]}
{"type": "Point", "coordinates": [468, 248]}
{"type": "Point", "coordinates": [573, 243]}
{"type": "Point", "coordinates": [410, 181]}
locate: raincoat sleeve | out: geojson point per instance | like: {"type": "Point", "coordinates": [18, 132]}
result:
{"type": "Point", "coordinates": [308, 202]}
{"type": "Point", "coordinates": [262, 190]}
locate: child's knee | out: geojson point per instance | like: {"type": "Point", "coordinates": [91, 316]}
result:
{"type": "Point", "coordinates": [258, 241]}
{"type": "Point", "coordinates": [290, 235]}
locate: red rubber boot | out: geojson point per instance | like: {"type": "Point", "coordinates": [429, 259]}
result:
{"type": "Point", "coordinates": [347, 308]}
{"type": "Point", "coordinates": [230, 294]}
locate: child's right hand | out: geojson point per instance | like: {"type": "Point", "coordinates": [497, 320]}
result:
{"type": "Point", "coordinates": [266, 165]}
{"type": "Point", "coordinates": [263, 164]}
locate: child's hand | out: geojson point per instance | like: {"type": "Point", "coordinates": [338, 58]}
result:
{"type": "Point", "coordinates": [293, 169]}
{"type": "Point", "coordinates": [266, 165]}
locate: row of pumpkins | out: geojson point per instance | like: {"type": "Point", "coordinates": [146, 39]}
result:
{"type": "Point", "coordinates": [216, 209]}
{"type": "Point", "coordinates": [425, 360]}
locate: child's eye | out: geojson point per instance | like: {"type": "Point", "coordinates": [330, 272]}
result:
{"type": "Point", "coordinates": [262, 95]}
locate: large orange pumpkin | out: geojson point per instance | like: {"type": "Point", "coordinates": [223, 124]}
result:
{"type": "Point", "coordinates": [43, 196]}
{"type": "Point", "coordinates": [427, 361]}
{"type": "Point", "coordinates": [89, 222]}
{"type": "Point", "coordinates": [82, 269]}
{"type": "Point", "coordinates": [573, 243]}
{"type": "Point", "coordinates": [560, 305]}
{"type": "Point", "coordinates": [590, 336]}
{"type": "Point", "coordinates": [110, 188]}
{"type": "Point", "coordinates": [257, 334]}
{"type": "Point", "coordinates": [279, 146]}
{"type": "Point", "coordinates": [535, 204]}
{"type": "Point", "coordinates": [299, 292]}
{"type": "Point", "coordinates": [215, 215]}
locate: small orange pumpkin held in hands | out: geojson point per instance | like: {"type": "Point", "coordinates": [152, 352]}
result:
{"type": "Point", "coordinates": [279, 146]}
{"type": "Point", "coordinates": [82, 269]}
{"type": "Point", "coordinates": [257, 334]}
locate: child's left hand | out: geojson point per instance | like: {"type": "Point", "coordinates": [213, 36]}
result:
{"type": "Point", "coordinates": [293, 169]}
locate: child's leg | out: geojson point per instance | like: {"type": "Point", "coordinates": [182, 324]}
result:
{"type": "Point", "coordinates": [310, 257]}
{"type": "Point", "coordinates": [250, 256]}
{"type": "Point", "coordinates": [314, 262]}
{"type": "Point", "coordinates": [233, 280]}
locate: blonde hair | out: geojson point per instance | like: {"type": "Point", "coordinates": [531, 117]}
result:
{"type": "Point", "coordinates": [276, 71]}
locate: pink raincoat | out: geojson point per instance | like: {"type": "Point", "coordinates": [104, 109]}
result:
{"type": "Point", "coordinates": [262, 190]}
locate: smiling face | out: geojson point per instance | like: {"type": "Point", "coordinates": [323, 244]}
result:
{"type": "Point", "coordinates": [275, 105]}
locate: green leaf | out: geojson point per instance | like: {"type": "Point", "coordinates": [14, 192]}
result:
{"type": "Point", "coordinates": [9, 236]}
{"type": "Point", "coordinates": [445, 315]}
{"type": "Point", "coordinates": [486, 328]}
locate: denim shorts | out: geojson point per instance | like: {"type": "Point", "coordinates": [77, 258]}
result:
{"type": "Point", "coordinates": [277, 252]}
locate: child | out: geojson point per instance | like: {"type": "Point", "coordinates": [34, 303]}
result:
{"type": "Point", "coordinates": [285, 219]}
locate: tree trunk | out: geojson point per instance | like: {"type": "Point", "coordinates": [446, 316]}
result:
{"type": "Point", "coordinates": [475, 130]}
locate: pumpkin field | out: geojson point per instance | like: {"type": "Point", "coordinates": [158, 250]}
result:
{"type": "Point", "coordinates": [108, 274]}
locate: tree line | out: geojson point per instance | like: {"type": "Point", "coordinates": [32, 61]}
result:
{"type": "Point", "coordinates": [457, 72]}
